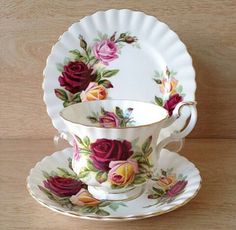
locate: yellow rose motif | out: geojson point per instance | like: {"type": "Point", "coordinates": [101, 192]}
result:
{"type": "Point", "coordinates": [94, 92]}
{"type": "Point", "coordinates": [168, 86]}
{"type": "Point", "coordinates": [167, 181]}
{"type": "Point", "coordinates": [122, 172]}
{"type": "Point", "coordinates": [83, 197]}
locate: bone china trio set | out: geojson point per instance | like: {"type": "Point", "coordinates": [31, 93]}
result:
{"type": "Point", "coordinates": [119, 86]}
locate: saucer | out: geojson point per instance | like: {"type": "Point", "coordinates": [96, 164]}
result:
{"type": "Point", "coordinates": [113, 54]}
{"type": "Point", "coordinates": [53, 184]}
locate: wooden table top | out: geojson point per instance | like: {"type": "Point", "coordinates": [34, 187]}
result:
{"type": "Point", "coordinates": [213, 208]}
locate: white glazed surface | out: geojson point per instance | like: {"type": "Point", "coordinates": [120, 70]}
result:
{"type": "Point", "coordinates": [135, 208]}
{"type": "Point", "coordinates": [142, 113]}
{"type": "Point", "coordinates": [160, 47]}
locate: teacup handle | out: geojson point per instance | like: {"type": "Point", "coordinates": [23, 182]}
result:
{"type": "Point", "coordinates": [178, 135]}
{"type": "Point", "coordinates": [63, 135]}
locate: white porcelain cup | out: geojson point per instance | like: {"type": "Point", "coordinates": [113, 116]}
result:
{"type": "Point", "coordinates": [115, 150]}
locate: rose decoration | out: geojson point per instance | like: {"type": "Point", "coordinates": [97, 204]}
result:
{"type": "Point", "coordinates": [83, 197]}
{"type": "Point", "coordinates": [166, 182]}
{"type": "Point", "coordinates": [103, 151]}
{"type": "Point", "coordinates": [109, 120]}
{"type": "Point", "coordinates": [172, 102]}
{"type": "Point", "coordinates": [168, 86]}
{"type": "Point", "coordinates": [177, 188]}
{"type": "Point", "coordinates": [94, 92]}
{"type": "Point", "coordinates": [63, 187]}
{"type": "Point", "coordinates": [105, 51]}
{"type": "Point", "coordinates": [76, 76]}
{"type": "Point", "coordinates": [122, 172]}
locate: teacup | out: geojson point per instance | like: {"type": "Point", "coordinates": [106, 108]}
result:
{"type": "Point", "coordinates": [115, 143]}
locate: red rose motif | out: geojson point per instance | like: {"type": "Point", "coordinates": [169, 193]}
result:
{"type": "Point", "coordinates": [76, 76]}
{"type": "Point", "coordinates": [63, 187]}
{"type": "Point", "coordinates": [177, 188]}
{"type": "Point", "coordinates": [105, 150]}
{"type": "Point", "coordinates": [109, 120]}
{"type": "Point", "coordinates": [172, 102]}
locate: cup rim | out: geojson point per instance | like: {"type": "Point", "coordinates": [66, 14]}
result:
{"type": "Point", "coordinates": [114, 128]}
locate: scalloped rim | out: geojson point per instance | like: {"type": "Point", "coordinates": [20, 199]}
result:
{"type": "Point", "coordinates": [112, 218]}
{"type": "Point", "coordinates": [56, 120]}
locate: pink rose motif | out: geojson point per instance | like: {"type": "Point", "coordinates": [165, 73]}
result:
{"type": "Point", "coordinates": [122, 172]}
{"type": "Point", "coordinates": [105, 150]}
{"type": "Point", "coordinates": [177, 188]}
{"type": "Point", "coordinates": [105, 51]}
{"type": "Point", "coordinates": [63, 187]}
{"type": "Point", "coordinates": [76, 154]}
{"type": "Point", "coordinates": [109, 120]}
{"type": "Point", "coordinates": [172, 102]}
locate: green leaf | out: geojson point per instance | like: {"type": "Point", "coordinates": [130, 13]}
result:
{"type": "Point", "coordinates": [158, 191]}
{"type": "Point", "coordinates": [79, 139]}
{"type": "Point", "coordinates": [105, 203]}
{"type": "Point", "coordinates": [122, 123]}
{"type": "Point", "coordinates": [88, 209]}
{"type": "Point", "coordinates": [153, 196]}
{"type": "Point", "coordinates": [76, 98]}
{"type": "Point", "coordinates": [70, 163]}
{"type": "Point", "coordinates": [146, 145]}
{"type": "Point", "coordinates": [83, 173]}
{"type": "Point", "coordinates": [86, 141]}
{"type": "Point", "coordinates": [98, 77]}
{"type": "Point", "coordinates": [114, 186]}
{"type": "Point", "coordinates": [159, 101]}
{"type": "Point", "coordinates": [92, 119]}
{"type": "Point", "coordinates": [46, 175]}
{"type": "Point", "coordinates": [163, 172]}
{"type": "Point", "coordinates": [75, 52]}
{"type": "Point", "coordinates": [148, 152]}
{"type": "Point", "coordinates": [103, 111]}
{"type": "Point", "coordinates": [102, 212]}
{"type": "Point", "coordinates": [67, 103]}
{"type": "Point", "coordinates": [60, 67]}
{"type": "Point", "coordinates": [66, 60]}
{"type": "Point", "coordinates": [158, 81]}
{"type": "Point", "coordinates": [139, 179]}
{"type": "Point", "coordinates": [65, 172]}
{"type": "Point", "coordinates": [180, 89]}
{"type": "Point", "coordinates": [107, 84]}
{"type": "Point", "coordinates": [101, 176]}
{"type": "Point", "coordinates": [114, 206]}
{"type": "Point", "coordinates": [90, 166]}
{"type": "Point", "coordinates": [109, 73]}
{"type": "Point", "coordinates": [46, 192]}
{"type": "Point", "coordinates": [119, 112]}
{"type": "Point", "coordinates": [61, 94]}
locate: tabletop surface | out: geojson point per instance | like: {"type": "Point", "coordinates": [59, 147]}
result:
{"type": "Point", "coordinates": [213, 208]}
{"type": "Point", "coordinates": [30, 28]}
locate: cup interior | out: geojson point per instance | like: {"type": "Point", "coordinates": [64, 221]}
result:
{"type": "Point", "coordinates": [114, 113]}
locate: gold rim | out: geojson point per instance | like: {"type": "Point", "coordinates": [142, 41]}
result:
{"type": "Point", "coordinates": [129, 218]}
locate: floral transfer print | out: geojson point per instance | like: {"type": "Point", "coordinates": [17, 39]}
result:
{"type": "Point", "coordinates": [121, 163]}
{"type": "Point", "coordinates": [64, 187]}
{"type": "Point", "coordinates": [118, 118]}
{"type": "Point", "coordinates": [171, 90]}
{"type": "Point", "coordinates": [168, 187]}
{"type": "Point", "coordinates": [84, 76]}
